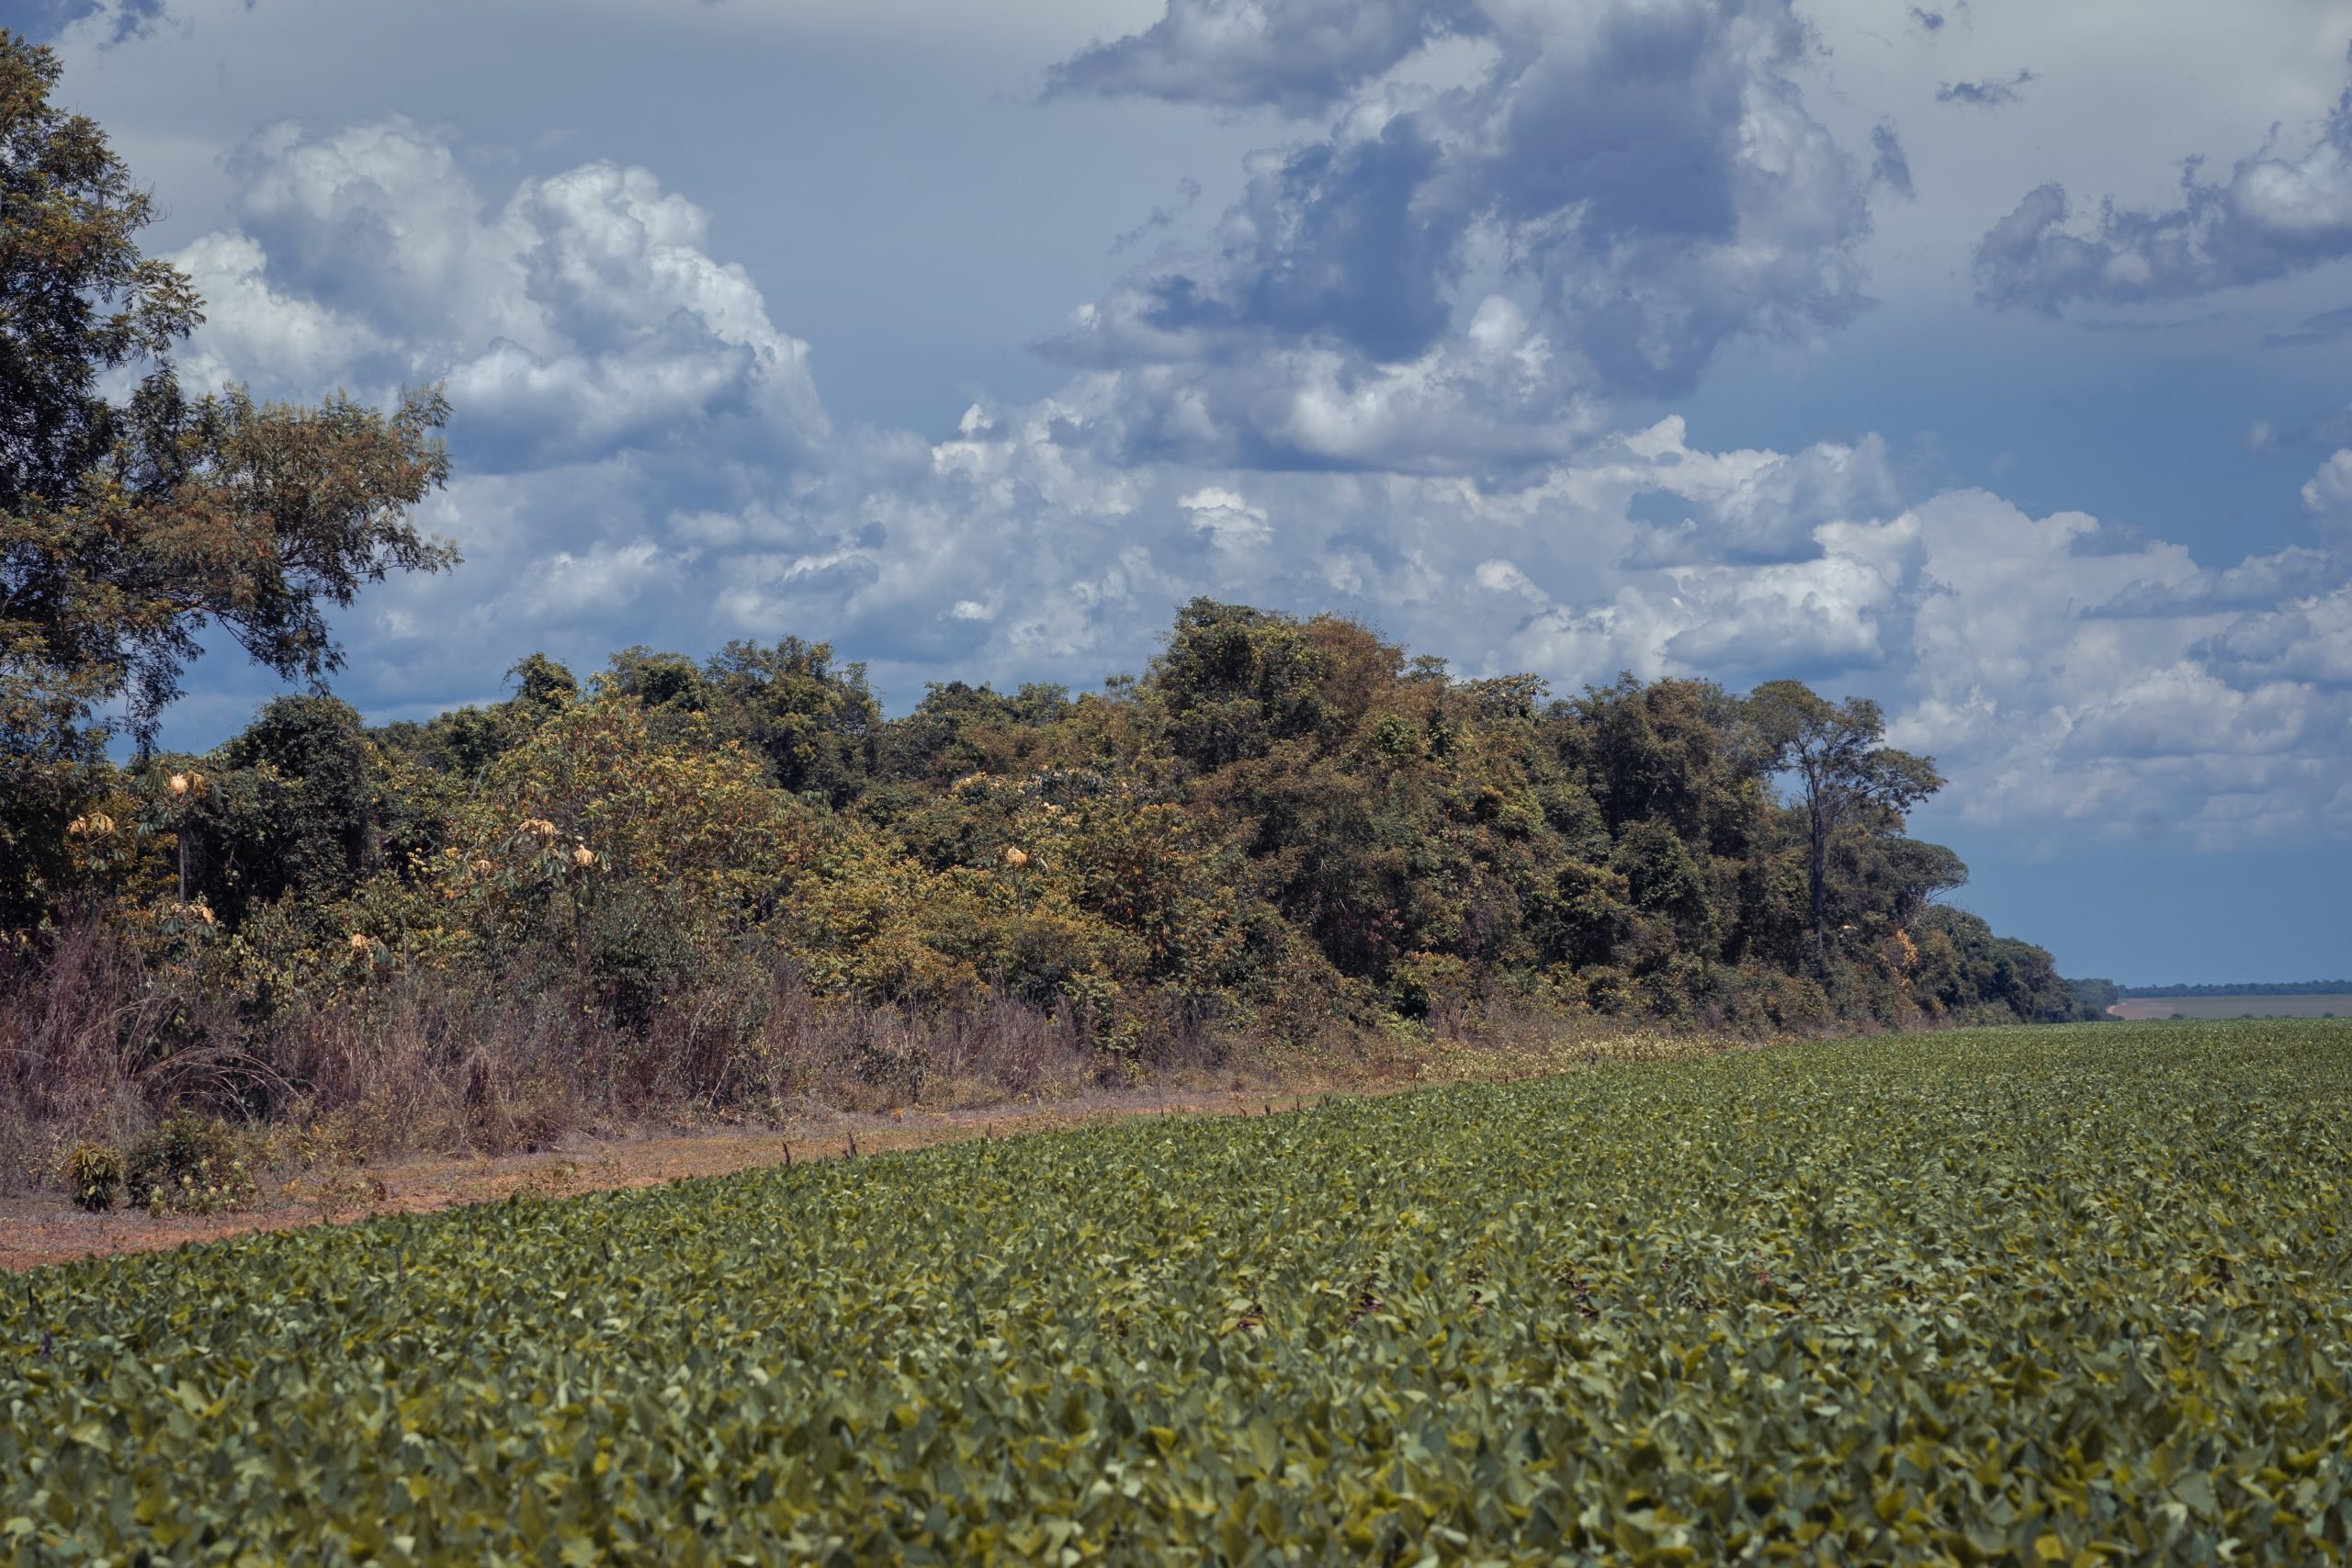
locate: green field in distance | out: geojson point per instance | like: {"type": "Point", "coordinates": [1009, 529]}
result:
{"type": "Point", "coordinates": [2321, 1006]}
{"type": "Point", "coordinates": [2024, 1295]}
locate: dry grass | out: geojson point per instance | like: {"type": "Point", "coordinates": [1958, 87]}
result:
{"type": "Point", "coordinates": [98, 1047]}
{"type": "Point", "coordinates": [43, 1229]}
{"type": "Point", "coordinates": [437, 1093]}
{"type": "Point", "coordinates": [92, 1049]}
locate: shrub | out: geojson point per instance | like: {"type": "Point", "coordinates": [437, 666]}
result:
{"type": "Point", "coordinates": [192, 1166]}
{"type": "Point", "coordinates": [94, 1172]}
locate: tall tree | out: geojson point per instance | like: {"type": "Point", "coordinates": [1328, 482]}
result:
{"type": "Point", "coordinates": [1834, 751]}
{"type": "Point", "coordinates": [812, 719]}
{"type": "Point", "coordinates": [128, 527]}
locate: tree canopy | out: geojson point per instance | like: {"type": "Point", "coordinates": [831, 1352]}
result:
{"type": "Point", "coordinates": [1842, 769]}
{"type": "Point", "coordinates": [129, 524]}
{"type": "Point", "coordinates": [1285, 821]}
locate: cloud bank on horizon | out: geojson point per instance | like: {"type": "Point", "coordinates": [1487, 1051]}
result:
{"type": "Point", "coordinates": [1411, 369]}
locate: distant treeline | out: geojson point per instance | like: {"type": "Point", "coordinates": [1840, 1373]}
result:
{"type": "Point", "coordinates": [630, 891]}
{"type": "Point", "coordinates": [2267, 988]}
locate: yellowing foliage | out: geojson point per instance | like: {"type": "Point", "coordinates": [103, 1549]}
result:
{"type": "Point", "coordinates": [659, 809]}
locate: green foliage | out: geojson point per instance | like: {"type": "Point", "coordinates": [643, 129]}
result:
{"type": "Point", "coordinates": [463, 742]}
{"type": "Point", "coordinates": [93, 1175]}
{"type": "Point", "coordinates": [1842, 769]}
{"type": "Point", "coordinates": [192, 1165]}
{"type": "Point", "coordinates": [1287, 834]}
{"type": "Point", "coordinates": [79, 303]}
{"type": "Point", "coordinates": [811, 718]}
{"type": "Point", "coordinates": [1969, 1297]}
{"type": "Point", "coordinates": [128, 527]}
{"type": "Point", "coordinates": [1982, 978]}
{"type": "Point", "coordinates": [958, 729]}
{"type": "Point", "coordinates": [1287, 825]}
{"type": "Point", "coordinates": [2093, 998]}
{"type": "Point", "coordinates": [602, 849]}
{"type": "Point", "coordinates": [294, 810]}
{"type": "Point", "coordinates": [599, 776]}
{"type": "Point", "coordinates": [1235, 682]}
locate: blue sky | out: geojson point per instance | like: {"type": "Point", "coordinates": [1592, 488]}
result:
{"type": "Point", "coordinates": [1989, 357]}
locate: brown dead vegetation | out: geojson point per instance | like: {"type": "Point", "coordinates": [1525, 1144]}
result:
{"type": "Point", "coordinates": [323, 1184]}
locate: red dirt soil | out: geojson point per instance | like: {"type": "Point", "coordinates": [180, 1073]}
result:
{"type": "Point", "coordinates": [45, 1230]}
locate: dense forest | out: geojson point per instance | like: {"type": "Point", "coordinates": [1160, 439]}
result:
{"type": "Point", "coordinates": [709, 882]}
{"type": "Point", "coordinates": [733, 883]}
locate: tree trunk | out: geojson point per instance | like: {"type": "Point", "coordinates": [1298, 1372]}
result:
{"type": "Point", "coordinates": [1820, 869]}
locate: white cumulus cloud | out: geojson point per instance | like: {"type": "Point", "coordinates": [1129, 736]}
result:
{"type": "Point", "coordinates": [1302, 415]}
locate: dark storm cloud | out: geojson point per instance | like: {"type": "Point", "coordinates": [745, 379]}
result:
{"type": "Point", "coordinates": [1298, 57]}
{"type": "Point", "coordinates": [1634, 130]}
{"type": "Point", "coordinates": [1440, 280]}
{"type": "Point", "coordinates": [1338, 254]}
{"type": "Point", "coordinates": [2274, 215]}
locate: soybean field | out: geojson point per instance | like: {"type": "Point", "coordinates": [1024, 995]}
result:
{"type": "Point", "coordinates": [2030, 1295]}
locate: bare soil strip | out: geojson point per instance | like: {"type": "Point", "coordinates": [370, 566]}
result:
{"type": "Point", "coordinates": [46, 1229]}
